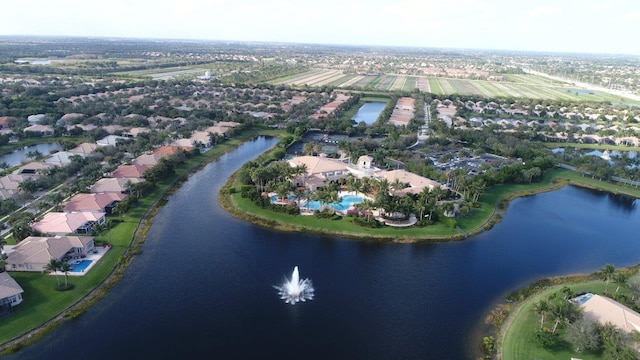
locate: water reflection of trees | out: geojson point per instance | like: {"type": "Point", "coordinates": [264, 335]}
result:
{"type": "Point", "coordinates": [623, 202]}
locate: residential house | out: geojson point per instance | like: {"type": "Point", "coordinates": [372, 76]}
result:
{"type": "Point", "coordinates": [413, 183]}
{"type": "Point", "coordinates": [100, 202]}
{"type": "Point", "coordinates": [33, 168]}
{"type": "Point", "coordinates": [112, 129]}
{"type": "Point", "coordinates": [5, 120]}
{"type": "Point", "coordinates": [36, 119]}
{"type": "Point", "coordinates": [117, 185]}
{"type": "Point", "coordinates": [76, 222]}
{"type": "Point", "coordinates": [605, 310]}
{"type": "Point", "coordinates": [320, 171]}
{"type": "Point", "coordinates": [130, 171]}
{"type": "Point", "coordinates": [34, 252]}
{"type": "Point", "coordinates": [111, 140]}
{"type": "Point", "coordinates": [149, 160]}
{"type": "Point", "coordinates": [10, 291]}
{"type": "Point", "coordinates": [84, 148]}
{"type": "Point", "coordinates": [134, 132]}
{"type": "Point", "coordinates": [39, 130]}
{"type": "Point", "coordinates": [62, 158]}
{"type": "Point", "coordinates": [10, 184]}
{"type": "Point", "coordinates": [171, 150]}
{"type": "Point", "coordinates": [201, 139]}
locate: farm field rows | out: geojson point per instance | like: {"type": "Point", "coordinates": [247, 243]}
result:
{"type": "Point", "coordinates": [513, 85]}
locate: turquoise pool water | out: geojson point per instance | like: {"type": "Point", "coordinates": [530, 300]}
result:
{"type": "Point", "coordinates": [345, 202]}
{"type": "Point", "coordinates": [80, 266]}
{"type": "Point", "coordinates": [584, 298]}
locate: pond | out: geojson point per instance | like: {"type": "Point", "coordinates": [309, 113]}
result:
{"type": "Point", "coordinates": [369, 112]}
{"type": "Point", "coordinates": [18, 156]}
{"type": "Point", "coordinates": [203, 285]}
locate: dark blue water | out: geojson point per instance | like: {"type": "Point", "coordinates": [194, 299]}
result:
{"type": "Point", "coordinates": [369, 112]}
{"type": "Point", "coordinates": [203, 286]}
{"type": "Point", "coordinates": [16, 157]}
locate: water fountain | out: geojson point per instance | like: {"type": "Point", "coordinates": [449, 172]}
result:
{"type": "Point", "coordinates": [295, 290]}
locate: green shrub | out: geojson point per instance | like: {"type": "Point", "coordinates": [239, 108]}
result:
{"type": "Point", "coordinates": [372, 223]}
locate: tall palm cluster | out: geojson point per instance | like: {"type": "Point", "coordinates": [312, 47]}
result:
{"type": "Point", "coordinates": [55, 265]}
{"type": "Point", "coordinates": [386, 197]}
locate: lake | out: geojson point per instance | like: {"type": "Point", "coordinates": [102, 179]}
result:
{"type": "Point", "coordinates": [369, 112]}
{"type": "Point", "coordinates": [15, 158]}
{"type": "Point", "coordinates": [203, 286]}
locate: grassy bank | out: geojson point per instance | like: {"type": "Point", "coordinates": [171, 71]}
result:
{"type": "Point", "coordinates": [44, 308]}
{"type": "Point", "coordinates": [491, 203]}
{"type": "Point", "coordinates": [517, 335]}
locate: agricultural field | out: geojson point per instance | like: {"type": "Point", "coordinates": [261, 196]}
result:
{"type": "Point", "coordinates": [168, 73]}
{"type": "Point", "coordinates": [513, 85]}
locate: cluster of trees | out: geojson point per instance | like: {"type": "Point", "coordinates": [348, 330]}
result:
{"type": "Point", "coordinates": [428, 206]}
{"type": "Point", "coordinates": [55, 265]}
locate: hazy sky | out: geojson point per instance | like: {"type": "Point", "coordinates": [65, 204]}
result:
{"type": "Point", "coordinates": [595, 26]}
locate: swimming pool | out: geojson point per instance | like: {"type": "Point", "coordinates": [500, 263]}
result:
{"type": "Point", "coordinates": [583, 298]}
{"type": "Point", "coordinates": [345, 202]}
{"type": "Point", "coordinates": [80, 266]}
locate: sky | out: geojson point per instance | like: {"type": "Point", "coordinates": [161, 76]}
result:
{"type": "Point", "coordinates": [584, 26]}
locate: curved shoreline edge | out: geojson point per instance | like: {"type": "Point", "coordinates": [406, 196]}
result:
{"type": "Point", "coordinates": [543, 287]}
{"type": "Point", "coordinates": [77, 308]}
{"type": "Point", "coordinates": [557, 181]}
{"type": "Point", "coordinates": [139, 236]}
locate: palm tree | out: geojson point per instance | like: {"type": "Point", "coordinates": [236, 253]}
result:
{"type": "Point", "coordinates": [65, 268]}
{"type": "Point", "coordinates": [420, 207]}
{"type": "Point", "coordinates": [53, 265]}
{"type": "Point", "coordinates": [437, 193]}
{"type": "Point", "coordinates": [283, 189]}
{"type": "Point", "coordinates": [541, 307]}
{"type": "Point", "coordinates": [621, 279]}
{"type": "Point", "coordinates": [35, 155]}
{"type": "Point", "coordinates": [397, 185]}
{"type": "Point", "coordinates": [606, 273]}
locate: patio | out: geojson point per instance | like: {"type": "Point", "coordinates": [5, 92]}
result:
{"type": "Point", "coordinates": [91, 256]}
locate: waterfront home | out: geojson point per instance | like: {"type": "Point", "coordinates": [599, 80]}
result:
{"type": "Point", "coordinates": [84, 148]}
{"type": "Point", "coordinates": [75, 222]}
{"type": "Point", "coordinates": [39, 130]}
{"type": "Point", "coordinates": [62, 158]}
{"type": "Point", "coordinates": [130, 171]}
{"type": "Point", "coordinates": [147, 160]}
{"type": "Point", "coordinates": [117, 185]}
{"type": "Point", "coordinates": [605, 310]}
{"type": "Point", "coordinates": [34, 252]}
{"type": "Point", "coordinates": [10, 292]}
{"type": "Point", "coordinates": [101, 202]}
{"type": "Point", "coordinates": [170, 150]}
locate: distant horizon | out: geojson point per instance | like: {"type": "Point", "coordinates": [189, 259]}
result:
{"type": "Point", "coordinates": [568, 26]}
{"type": "Point", "coordinates": [364, 46]}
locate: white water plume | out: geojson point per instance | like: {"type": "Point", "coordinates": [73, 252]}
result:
{"type": "Point", "coordinates": [295, 290]}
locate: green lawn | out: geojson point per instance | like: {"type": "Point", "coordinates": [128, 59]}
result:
{"type": "Point", "coordinates": [478, 220]}
{"type": "Point", "coordinates": [518, 341]}
{"type": "Point", "coordinates": [43, 303]}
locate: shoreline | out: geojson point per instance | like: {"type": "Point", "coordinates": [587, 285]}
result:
{"type": "Point", "coordinates": [135, 247]}
{"type": "Point", "coordinates": [226, 202]}
{"type": "Point", "coordinates": [557, 181]}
